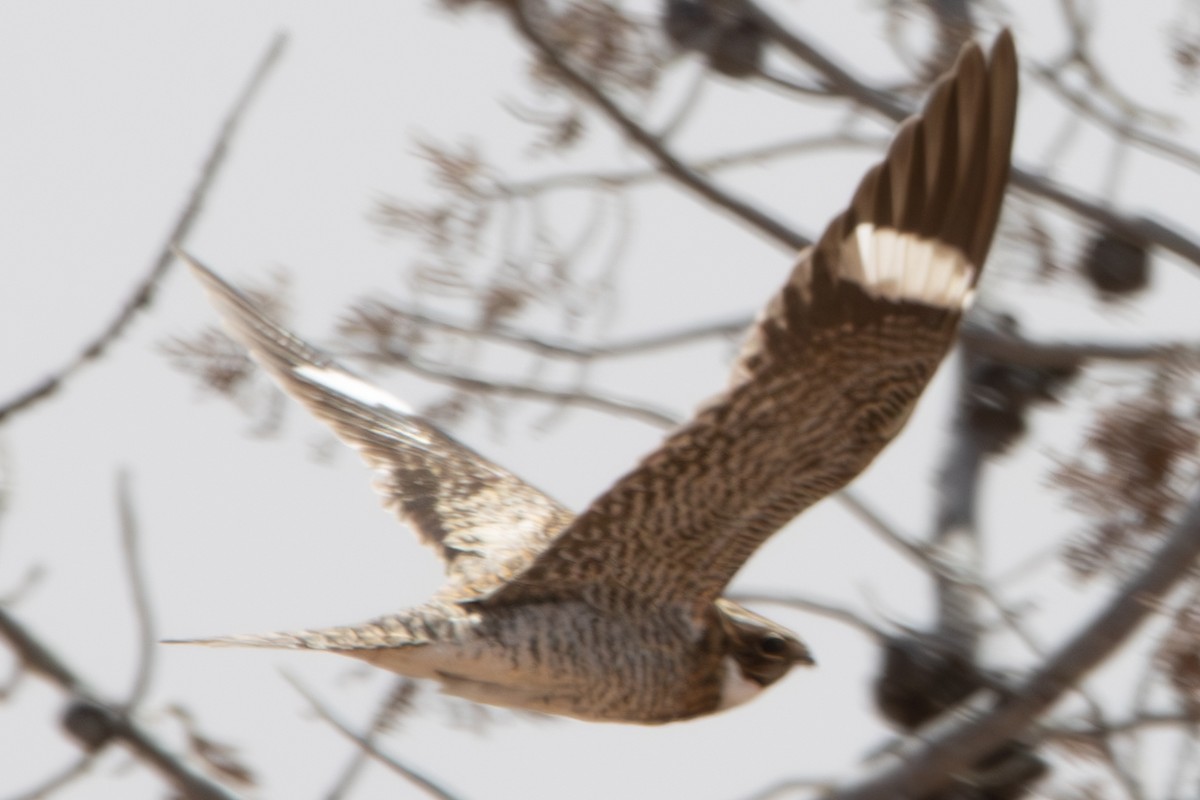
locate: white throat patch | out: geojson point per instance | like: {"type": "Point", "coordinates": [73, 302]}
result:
{"type": "Point", "coordinates": [736, 688]}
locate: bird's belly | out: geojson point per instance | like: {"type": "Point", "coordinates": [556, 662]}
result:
{"type": "Point", "coordinates": [560, 659]}
{"type": "Point", "coordinates": [568, 659]}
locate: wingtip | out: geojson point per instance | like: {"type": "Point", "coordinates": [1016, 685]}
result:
{"type": "Point", "coordinates": [194, 265]}
{"type": "Point", "coordinates": [184, 256]}
{"type": "Point", "coordinates": [1004, 42]}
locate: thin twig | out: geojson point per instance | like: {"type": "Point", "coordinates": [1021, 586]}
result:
{"type": "Point", "coordinates": [756, 154]}
{"type": "Point", "coordinates": [142, 611]}
{"type": "Point", "coordinates": [820, 608]}
{"type": "Point", "coordinates": [144, 293]}
{"type": "Point", "coordinates": [70, 773]}
{"type": "Point", "coordinates": [397, 701]}
{"type": "Point", "coordinates": [1134, 724]}
{"type": "Point", "coordinates": [474, 383]}
{"type": "Point", "coordinates": [562, 348]}
{"type": "Point", "coordinates": [406, 772]}
{"type": "Point", "coordinates": [955, 543]}
{"type": "Point", "coordinates": [888, 533]}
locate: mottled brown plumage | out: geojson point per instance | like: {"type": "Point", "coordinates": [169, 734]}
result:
{"type": "Point", "coordinates": [616, 614]}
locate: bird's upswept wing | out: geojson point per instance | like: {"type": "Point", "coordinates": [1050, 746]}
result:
{"type": "Point", "coordinates": [485, 522]}
{"type": "Point", "coordinates": [829, 374]}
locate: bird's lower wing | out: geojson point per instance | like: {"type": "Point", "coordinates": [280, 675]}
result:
{"type": "Point", "coordinates": [485, 522]}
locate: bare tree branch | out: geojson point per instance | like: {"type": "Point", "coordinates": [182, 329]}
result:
{"type": "Point", "coordinates": [1015, 349]}
{"type": "Point", "coordinates": [120, 725]}
{"type": "Point", "coordinates": [559, 348]}
{"type": "Point", "coordinates": [1091, 730]}
{"type": "Point", "coordinates": [143, 295]}
{"type": "Point", "coordinates": [523, 18]}
{"type": "Point", "coordinates": [751, 155]}
{"type": "Point", "coordinates": [73, 772]}
{"type": "Point", "coordinates": [878, 525]}
{"type": "Point", "coordinates": [1095, 710]}
{"type": "Point", "coordinates": [951, 747]}
{"type": "Point", "coordinates": [397, 703]}
{"type": "Point", "coordinates": [1083, 102]}
{"type": "Point", "coordinates": [585, 399]}
{"type": "Point", "coordinates": [1134, 227]}
{"type": "Point", "coordinates": [391, 762]}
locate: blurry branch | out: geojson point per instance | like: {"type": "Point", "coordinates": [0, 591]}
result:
{"type": "Point", "coordinates": [93, 723]}
{"type": "Point", "coordinates": [409, 774]}
{"type": "Point", "coordinates": [1135, 724]}
{"type": "Point", "coordinates": [948, 748]}
{"type": "Point", "coordinates": [1137, 228]}
{"type": "Point", "coordinates": [474, 383]}
{"type": "Point", "coordinates": [686, 109]}
{"type": "Point", "coordinates": [837, 78]}
{"type": "Point", "coordinates": [1010, 348]}
{"type": "Point", "coordinates": [1101, 745]}
{"type": "Point", "coordinates": [1017, 350]}
{"type": "Point", "coordinates": [377, 313]}
{"type": "Point", "coordinates": [877, 524]}
{"type": "Point", "coordinates": [833, 78]}
{"type": "Point", "coordinates": [822, 609]}
{"type": "Point", "coordinates": [711, 164]}
{"type": "Point", "coordinates": [217, 757]}
{"type": "Point", "coordinates": [1080, 24]}
{"type": "Point", "coordinates": [397, 704]}
{"type": "Point", "coordinates": [954, 544]}
{"type": "Point", "coordinates": [131, 552]}
{"type": "Point", "coordinates": [523, 14]}
{"type": "Point", "coordinates": [25, 584]}
{"type": "Point", "coordinates": [107, 721]}
{"type": "Point", "coordinates": [143, 295]}
{"type": "Point", "coordinates": [794, 86]}
{"type": "Point", "coordinates": [1084, 103]}
{"type": "Point", "coordinates": [56, 782]}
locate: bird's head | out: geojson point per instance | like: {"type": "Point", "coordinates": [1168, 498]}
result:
{"type": "Point", "coordinates": [758, 652]}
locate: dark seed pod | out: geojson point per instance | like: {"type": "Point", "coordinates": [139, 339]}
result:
{"type": "Point", "coordinates": [737, 51]}
{"type": "Point", "coordinates": [89, 724]}
{"type": "Point", "coordinates": [1115, 265]}
{"type": "Point", "coordinates": [689, 24]}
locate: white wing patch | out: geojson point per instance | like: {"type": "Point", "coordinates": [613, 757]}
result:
{"type": "Point", "coordinates": [902, 266]}
{"type": "Point", "coordinates": [354, 388]}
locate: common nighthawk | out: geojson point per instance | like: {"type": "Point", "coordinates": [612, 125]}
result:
{"type": "Point", "coordinates": [616, 614]}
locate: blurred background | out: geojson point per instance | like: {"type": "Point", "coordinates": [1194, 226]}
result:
{"type": "Point", "coordinates": [556, 266]}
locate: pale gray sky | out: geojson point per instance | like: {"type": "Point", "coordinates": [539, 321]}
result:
{"type": "Point", "coordinates": [106, 111]}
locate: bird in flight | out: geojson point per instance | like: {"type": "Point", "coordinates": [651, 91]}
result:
{"type": "Point", "coordinates": [616, 614]}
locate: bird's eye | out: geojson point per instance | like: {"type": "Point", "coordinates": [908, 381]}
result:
{"type": "Point", "coordinates": [772, 645]}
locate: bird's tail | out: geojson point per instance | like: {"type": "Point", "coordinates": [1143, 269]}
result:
{"type": "Point", "coordinates": [413, 627]}
{"type": "Point", "coordinates": [284, 640]}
